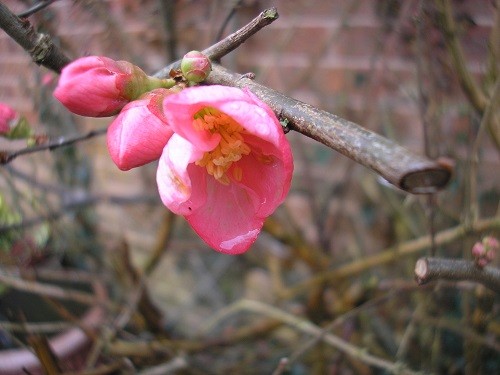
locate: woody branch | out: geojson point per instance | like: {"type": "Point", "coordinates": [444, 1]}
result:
{"type": "Point", "coordinates": [406, 170]}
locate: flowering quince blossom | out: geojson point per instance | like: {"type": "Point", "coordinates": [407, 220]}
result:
{"type": "Point", "coordinates": [98, 86]}
{"type": "Point", "coordinates": [139, 133]}
{"type": "Point", "coordinates": [227, 166]}
{"type": "Point", "coordinates": [7, 117]}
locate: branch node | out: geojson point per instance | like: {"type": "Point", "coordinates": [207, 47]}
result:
{"type": "Point", "coordinates": [41, 49]}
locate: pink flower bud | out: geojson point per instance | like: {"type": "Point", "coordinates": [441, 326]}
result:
{"type": "Point", "coordinates": [12, 125]}
{"type": "Point", "coordinates": [7, 117]}
{"type": "Point", "coordinates": [478, 250]}
{"type": "Point", "coordinates": [484, 251]}
{"type": "Point", "coordinates": [195, 66]}
{"type": "Point", "coordinates": [98, 86]}
{"type": "Point", "coordinates": [491, 243]}
{"type": "Point", "coordinates": [139, 133]}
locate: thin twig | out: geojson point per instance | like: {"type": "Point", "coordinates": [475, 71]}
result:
{"type": "Point", "coordinates": [231, 42]}
{"type": "Point", "coordinates": [40, 46]}
{"type": "Point", "coordinates": [36, 8]}
{"type": "Point", "coordinates": [234, 8]}
{"type": "Point", "coordinates": [430, 269]}
{"type": "Point", "coordinates": [51, 145]}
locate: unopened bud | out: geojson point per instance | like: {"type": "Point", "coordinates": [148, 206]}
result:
{"type": "Point", "coordinates": [478, 250]}
{"type": "Point", "coordinates": [12, 125]}
{"type": "Point", "coordinates": [491, 243]}
{"type": "Point", "coordinates": [195, 66]}
{"type": "Point", "coordinates": [484, 251]}
{"type": "Point", "coordinates": [98, 86]}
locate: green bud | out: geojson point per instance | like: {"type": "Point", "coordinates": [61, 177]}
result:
{"type": "Point", "coordinates": [195, 66]}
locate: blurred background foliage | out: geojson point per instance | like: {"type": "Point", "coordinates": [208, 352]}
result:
{"type": "Point", "coordinates": [340, 253]}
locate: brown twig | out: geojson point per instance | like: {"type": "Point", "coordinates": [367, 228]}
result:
{"type": "Point", "coordinates": [231, 42]}
{"type": "Point", "coordinates": [430, 269]}
{"type": "Point", "coordinates": [36, 8]}
{"type": "Point", "coordinates": [46, 356]}
{"type": "Point", "coordinates": [40, 46]}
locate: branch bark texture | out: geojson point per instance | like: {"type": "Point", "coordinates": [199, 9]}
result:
{"type": "Point", "coordinates": [408, 171]}
{"type": "Point", "coordinates": [40, 46]}
{"type": "Point", "coordinates": [430, 269]}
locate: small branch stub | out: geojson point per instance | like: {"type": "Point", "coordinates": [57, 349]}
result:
{"type": "Point", "coordinates": [430, 269]}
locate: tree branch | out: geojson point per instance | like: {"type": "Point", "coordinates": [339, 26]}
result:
{"type": "Point", "coordinates": [429, 269]}
{"type": "Point", "coordinates": [413, 173]}
{"type": "Point", "coordinates": [39, 46]}
{"type": "Point", "coordinates": [410, 172]}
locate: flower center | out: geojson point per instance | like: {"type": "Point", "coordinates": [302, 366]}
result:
{"type": "Point", "coordinates": [230, 149]}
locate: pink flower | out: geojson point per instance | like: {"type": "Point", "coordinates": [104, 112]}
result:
{"type": "Point", "coordinates": [7, 117]}
{"type": "Point", "coordinates": [227, 166]}
{"type": "Point", "coordinates": [98, 86]}
{"type": "Point", "coordinates": [139, 133]}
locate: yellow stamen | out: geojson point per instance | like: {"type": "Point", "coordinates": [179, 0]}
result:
{"type": "Point", "coordinates": [230, 149]}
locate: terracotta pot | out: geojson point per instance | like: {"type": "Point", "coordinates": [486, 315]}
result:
{"type": "Point", "coordinates": [67, 346]}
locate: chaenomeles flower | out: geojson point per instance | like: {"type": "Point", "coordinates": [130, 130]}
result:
{"type": "Point", "coordinates": [139, 133]}
{"type": "Point", "coordinates": [227, 166]}
{"type": "Point", "coordinates": [98, 86]}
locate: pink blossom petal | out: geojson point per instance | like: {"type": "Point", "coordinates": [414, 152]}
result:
{"type": "Point", "coordinates": [176, 176]}
{"type": "Point", "coordinates": [226, 221]}
{"type": "Point", "coordinates": [181, 108]}
{"type": "Point", "coordinates": [139, 133]}
{"type": "Point", "coordinates": [269, 182]}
